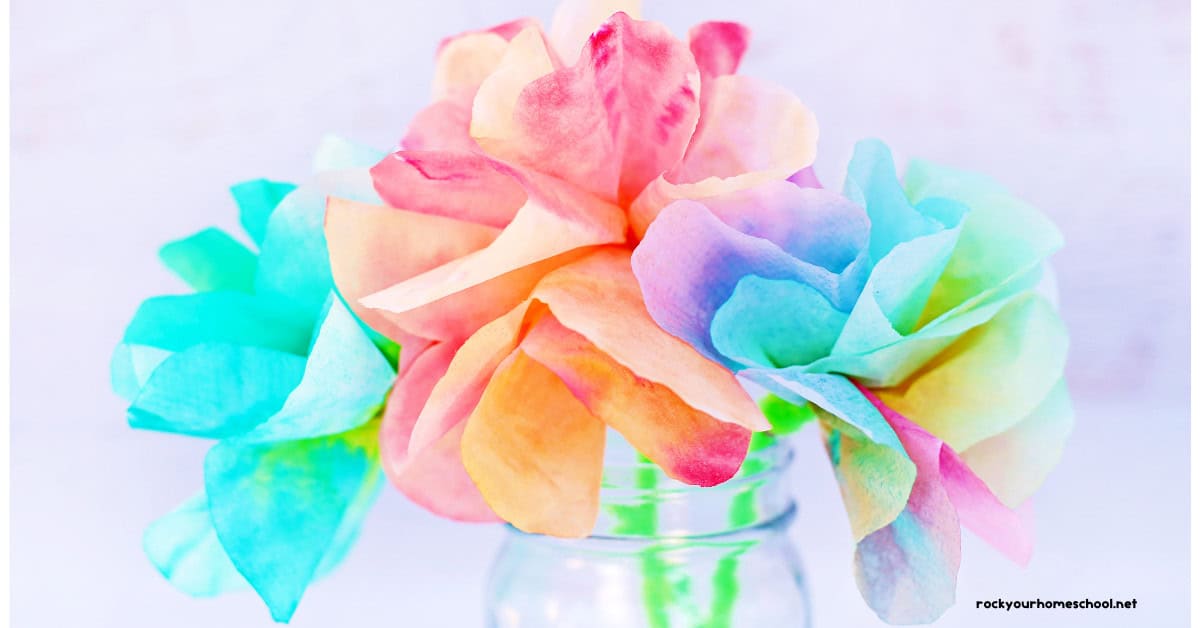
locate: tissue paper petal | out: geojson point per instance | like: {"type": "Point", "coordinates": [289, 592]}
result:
{"type": "Point", "coordinates": [689, 445]}
{"type": "Point", "coordinates": [542, 476]}
{"type": "Point", "coordinates": [363, 241]}
{"type": "Point", "coordinates": [1016, 462]}
{"type": "Point", "coordinates": [184, 547]}
{"type": "Point", "coordinates": [871, 182]}
{"type": "Point", "coordinates": [612, 122]}
{"type": "Point", "coordinates": [256, 200]}
{"type": "Point", "coordinates": [598, 297]}
{"type": "Point", "coordinates": [131, 367]}
{"type": "Point", "coordinates": [1002, 238]}
{"type": "Point", "coordinates": [463, 62]}
{"type": "Point", "coordinates": [294, 263]}
{"type": "Point", "coordinates": [444, 125]}
{"type": "Point", "coordinates": [278, 507]}
{"type": "Point", "coordinates": [211, 260]}
{"type": "Point", "coordinates": [990, 378]}
{"type": "Point", "coordinates": [215, 390]}
{"type": "Point", "coordinates": [458, 391]}
{"type": "Point", "coordinates": [345, 381]}
{"type": "Point", "coordinates": [689, 263]}
{"type": "Point", "coordinates": [177, 322]}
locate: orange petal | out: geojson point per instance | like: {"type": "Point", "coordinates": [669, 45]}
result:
{"type": "Point", "coordinates": [689, 445]}
{"type": "Point", "coordinates": [372, 247]}
{"type": "Point", "coordinates": [540, 475]}
{"type": "Point", "coordinates": [434, 476]}
{"type": "Point", "coordinates": [458, 391]}
{"type": "Point", "coordinates": [555, 220]}
{"type": "Point", "coordinates": [598, 297]}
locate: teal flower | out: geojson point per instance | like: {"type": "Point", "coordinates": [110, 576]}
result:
{"type": "Point", "coordinates": [265, 358]}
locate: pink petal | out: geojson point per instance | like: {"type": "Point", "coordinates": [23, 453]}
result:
{"type": "Point", "coordinates": [718, 47]}
{"type": "Point", "coordinates": [751, 132]}
{"type": "Point", "coordinates": [363, 242]}
{"type": "Point", "coordinates": [611, 123]}
{"type": "Point", "coordinates": [460, 185]}
{"type": "Point", "coordinates": [433, 476]}
{"type": "Point", "coordinates": [556, 223]}
{"type": "Point", "coordinates": [1008, 530]}
{"type": "Point", "coordinates": [575, 21]}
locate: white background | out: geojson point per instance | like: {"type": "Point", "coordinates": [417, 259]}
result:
{"type": "Point", "coordinates": [131, 117]}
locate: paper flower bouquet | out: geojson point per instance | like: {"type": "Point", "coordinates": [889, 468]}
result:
{"type": "Point", "coordinates": [592, 233]}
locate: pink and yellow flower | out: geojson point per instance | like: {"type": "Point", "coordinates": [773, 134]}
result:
{"type": "Point", "coordinates": [502, 261]}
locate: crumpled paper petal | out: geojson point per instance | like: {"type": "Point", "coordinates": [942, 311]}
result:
{"type": "Point", "coordinates": [687, 444]}
{"type": "Point", "coordinates": [907, 571]}
{"type": "Point", "coordinates": [990, 378]}
{"type": "Point", "coordinates": [690, 262]}
{"type": "Point", "coordinates": [750, 132]}
{"type": "Point", "coordinates": [278, 507]}
{"type": "Point", "coordinates": [431, 475]}
{"type": "Point", "coordinates": [597, 297]}
{"type": "Point", "coordinates": [555, 226]}
{"type": "Point", "coordinates": [211, 260]}
{"type": "Point", "coordinates": [363, 240]}
{"type": "Point", "coordinates": [631, 102]}
{"type": "Point", "coordinates": [510, 417]}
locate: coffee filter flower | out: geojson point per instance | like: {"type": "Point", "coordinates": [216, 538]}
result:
{"type": "Point", "coordinates": [266, 359]}
{"type": "Point", "coordinates": [501, 260]}
{"type": "Point", "coordinates": [907, 315]}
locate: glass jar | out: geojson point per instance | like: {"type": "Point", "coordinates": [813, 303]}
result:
{"type": "Point", "coordinates": [663, 554]}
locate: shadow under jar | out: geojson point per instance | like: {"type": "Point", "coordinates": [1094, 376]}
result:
{"type": "Point", "coordinates": [663, 554]}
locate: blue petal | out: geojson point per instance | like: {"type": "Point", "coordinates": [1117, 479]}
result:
{"type": "Point", "coordinates": [775, 323]}
{"type": "Point", "coordinates": [177, 322]}
{"type": "Point", "coordinates": [184, 548]}
{"type": "Point", "coordinates": [215, 390]}
{"type": "Point", "coordinates": [278, 508]}
{"type": "Point", "coordinates": [345, 382]}
{"type": "Point", "coordinates": [294, 263]}
{"type": "Point", "coordinates": [256, 200]}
